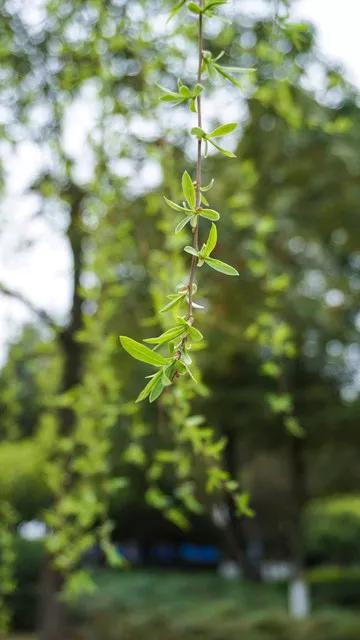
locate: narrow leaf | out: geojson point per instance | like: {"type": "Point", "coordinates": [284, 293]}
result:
{"type": "Point", "coordinates": [210, 214]}
{"type": "Point", "coordinates": [175, 206]}
{"type": "Point", "coordinates": [167, 336]}
{"type": "Point", "coordinates": [189, 372]}
{"type": "Point", "coordinates": [227, 76]}
{"type": "Point", "coordinates": [197, 89]}
{"type": "Point", "coordinates": [147, 389]}
{"type": "Point", "coordinates": [191, 250]}
{"type": "Point", "coordinates": [188, 190]}
{"type": "Point", "coordinates": [196, 335]}
{"type": "Point", "coordinates": [211, 241]}
{"type": "Point", "coordinates": [182, 224]}
{"type": "Point", "coordinates": [177, 8]}
{"type": "Point", "coordinates": [225, 152]}
{"type": "Point", "coordinates": [142, 353]}
{"type": "Point", "coordinates": [173, 303]}
{"type": "Point", "coordinates": [157, 390]}
{"type": "Point", "coordinates": [171, 94]}
{"type": "Point", "coordinates": [222, 130]}
{"type": "Point", "coordinates": [213, 3]}
{"type": "Point", "coordinates": [194, 8]}
{"type": "Point", "coordinates": [199, 133]}
{"type": "Point", "coordinates": [218, 265]}
{"type": "Point", "coordinates": [185, 91]}
{"type": "Point", "coordinates": [208, 186]}
{"type": "Point", "coordinates": [238, 69]}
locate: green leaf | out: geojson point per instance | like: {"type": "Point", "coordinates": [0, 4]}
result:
{"type": "Point", "coordinates": [210, 214]}
{"type": "Point", "coordinates": [223, 267]}
{"type": "Point", "coordinates": [184, 91]}
{"type": "Point", "coordinates": [175, 206]}
{"type": "Point", "coordinates": [191, 250]}
{"type": "Point", "coordinates": [238, 69]}
{"type": "Point", "coordinates": [157, 390]}
{"type": "Point", "coordinates": [189, 372]}
{"type": "Point", "coordinates": [219, 56]}
{"type": "Point", "coordinates": [142, 353]}
{"type": "Point", "coordinates": [225, 72]}
{"type": "Point", "coordinates": [211, 241]}
{"type": "Point", "coordinates": [212, 4]}
{"type": "Point", "coordinates": [179, 227]}
{"type": "Point", "coordinates": [170, 96]}
{"type": "Point", "coordinates": [225, 152]}
{"type": "Point", "coordinates": [167, 336]}
{"type": "Point", "coordinates": [222, 130]}
{"type": "Point", "coordinates": [199, 133]}
{"type": "Point", "coordinates": [280, 402]}
{"type": "Point", "coordinates": [242, 505]}
{"type": "Point", "coordinates": [177, 517]}
{"type": "Point", "coordinates": [177, 8]}
{"type": "Point", "coordinates": [175, 301]}
{"type": "Point", "coordinates": [294, 427]}
{"type": "Point", "coordinates": [204, 201]}
{"type": "Point", "coordinates": [195, 334]}
{"type": "Point", "coordinates": [194, 8]}
{"type": "Point", "coordinates": [208, 186]}
{"type": "Point", "coordinates": [227, 76]}
{"type": "Point", "coordinates": [148, 388]}
{"type": "Point", "coordinates": [188, 190]}
{"type": "Point", "coordinates": [113, 556]}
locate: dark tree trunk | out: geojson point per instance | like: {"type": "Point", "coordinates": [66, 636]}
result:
{"type": "Point", "coordinates": [299, 492]}
{"type": "Point", "coordinates": [53, 620]}
{"type": "Point", "coordinates": [52, 615]}
{"type": "Point", "coordinates": [235, 533]}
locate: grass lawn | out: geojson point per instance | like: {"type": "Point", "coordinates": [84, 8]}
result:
{"type": "Point", "coordinates": [178, 606]}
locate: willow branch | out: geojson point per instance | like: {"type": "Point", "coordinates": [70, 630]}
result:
{"type": "Point", "coordinates": [195, 243]}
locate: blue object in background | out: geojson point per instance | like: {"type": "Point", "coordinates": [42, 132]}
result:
{"type": "Point", "coordinates": [203, 554]}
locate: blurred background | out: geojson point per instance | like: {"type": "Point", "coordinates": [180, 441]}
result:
{"type": "Point", "coordinates": [87, 253]}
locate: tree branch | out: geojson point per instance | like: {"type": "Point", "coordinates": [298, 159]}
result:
{"type": "Point", "coordinates": [41, 314]}
{"type": "Point", "coordinates": [194, 259]}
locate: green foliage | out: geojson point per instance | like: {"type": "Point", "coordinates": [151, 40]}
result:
{"type": "Point", "coordinates": [7, 562]}
{"type": "Point", "coordinates": [332, 529]}
{"type": "Point", "coordinates": [30, 556]}
{"type": "Point", "coordinates": [335, 584]}
{"type": "Point", "coordinates": [23, 477]}
{"type": "Point", "coordinates": [177, 606]}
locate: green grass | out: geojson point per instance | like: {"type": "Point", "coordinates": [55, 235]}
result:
{"type": "Point", "coordinates": [179, 606]}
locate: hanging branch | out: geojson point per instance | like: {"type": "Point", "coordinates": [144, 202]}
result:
{"type": "Point", "coordinates": [194, 259]}
{"type": "Point", "coordinates": [180, 337]}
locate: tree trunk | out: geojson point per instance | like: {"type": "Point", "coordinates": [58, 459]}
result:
{"type": "Point", "coordinates": [53, 620]}
{"type": "Point", "coordinates": [298, 484]}
{"type": "Point", "coordinates": [53, 617]}
{"type": "Point", "coordinates": [235, 533]}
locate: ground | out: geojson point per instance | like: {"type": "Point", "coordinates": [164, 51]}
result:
{"type": "Point", "coordinates": [163, 605]}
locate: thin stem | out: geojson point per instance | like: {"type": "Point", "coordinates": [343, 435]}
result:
{"type": "Point", "coordinates": [195, 242]}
